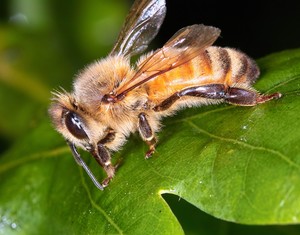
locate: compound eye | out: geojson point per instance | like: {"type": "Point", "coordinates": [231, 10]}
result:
{"type": "Point", "coordinates": [74, 125]}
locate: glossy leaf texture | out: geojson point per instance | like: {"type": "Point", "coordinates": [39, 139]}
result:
{"type": "Point", "coordinates": [239, 164]}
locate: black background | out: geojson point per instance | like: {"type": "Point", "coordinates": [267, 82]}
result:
{"type": "Point", "coordinates": [256, 27]}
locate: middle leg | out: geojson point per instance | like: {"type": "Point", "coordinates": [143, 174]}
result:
{"type": "Point", "coordinates": [147, 134]}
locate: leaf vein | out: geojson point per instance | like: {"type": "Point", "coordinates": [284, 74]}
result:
{"type": "Point", "coordinates": [96, 206]}
{"type": "Point", "coordinates": [246, 145]}
{"type": "Point", "coordinates": [33, 157]}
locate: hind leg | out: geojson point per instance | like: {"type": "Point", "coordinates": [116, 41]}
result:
{"type": "Point", "coordinates": [243, 97]}
{"type": "Point", "coordinates": [232, 95]}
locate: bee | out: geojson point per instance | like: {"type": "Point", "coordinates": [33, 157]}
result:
{"type": "Point", "coordinates": [112, 99]}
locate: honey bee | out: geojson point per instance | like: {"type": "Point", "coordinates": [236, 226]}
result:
{"type": "Point", "coordinates": [112, 99]}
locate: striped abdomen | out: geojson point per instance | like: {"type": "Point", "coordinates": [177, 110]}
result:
{"type": "Point", "coordinates": [215, 66]}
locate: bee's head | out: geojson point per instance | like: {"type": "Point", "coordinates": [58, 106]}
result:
{"type": "Point", "coordinates": [78, 128]}
{"type": "Point", "coordinates": [73, 122]}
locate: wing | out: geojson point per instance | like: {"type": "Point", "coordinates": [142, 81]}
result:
{"type": "Point", "coordinates": [141, 26]}
{"type": "Point", "coordinates": [185, 45]}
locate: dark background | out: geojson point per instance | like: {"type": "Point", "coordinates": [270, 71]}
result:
{"type": "Point", "coordinates": [256, 27]}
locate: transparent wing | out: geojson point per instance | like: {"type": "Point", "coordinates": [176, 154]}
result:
{"type": "Point", "coordinates": [141, 26]}
{"type": "Point", "coordinates": [185, 45]}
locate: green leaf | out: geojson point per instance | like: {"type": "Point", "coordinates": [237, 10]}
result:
{"type": "Point", "coordinates": [238, 164]}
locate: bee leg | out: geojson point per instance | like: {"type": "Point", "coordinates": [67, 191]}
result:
{"type": "Point", "coordinates": [211, 91]}
{"type": "Point", "coordinates": [147, 134]}
{"type": "Point", "coordinates": [80, 162]}
{"type": "Point", "coordinates": [232, 95]}
{"type": "Point", "coordinates": [102, 156]}
{"type": "Point", "coordinates": [243, 97]}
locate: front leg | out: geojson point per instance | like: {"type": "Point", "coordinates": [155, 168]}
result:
{"type": "Point", "coordinates": [102, 156]}
{"type": "Point", "coordinates": [80, 162]}
{"type": "Point", "coordinates": [147, 134]}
